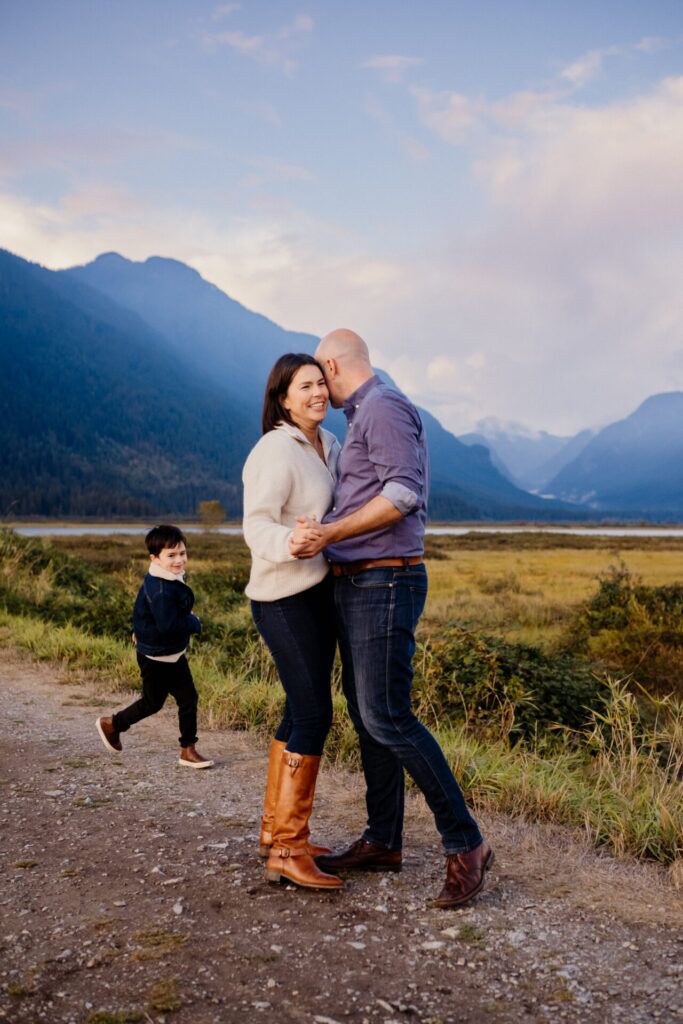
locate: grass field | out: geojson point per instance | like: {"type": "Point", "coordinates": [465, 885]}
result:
{"type": "Point", "coordinates": [533, 657]}
{"type": "Point", "coordinates": [528, 594]}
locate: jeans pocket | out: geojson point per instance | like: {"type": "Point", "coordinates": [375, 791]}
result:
{"type": "Point", "coordinates": [372, 579]}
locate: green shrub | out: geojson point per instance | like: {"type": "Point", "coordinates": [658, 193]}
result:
{"type": "Point", "coordinates": [631, 629]}
{"type": "Point", "coordinates": [499, 688]}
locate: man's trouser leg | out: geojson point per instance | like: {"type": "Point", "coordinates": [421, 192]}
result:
{"type": "Point", "coordinates": [384, 781]}
{"type": "Point", "coordinates": [378, 610]}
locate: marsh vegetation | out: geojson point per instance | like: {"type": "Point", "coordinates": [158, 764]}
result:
{"type": "Point", "coordinates": [550, 667]}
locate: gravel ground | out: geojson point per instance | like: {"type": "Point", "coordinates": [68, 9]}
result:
{"type": "Point", "coordinates": [130, 891]}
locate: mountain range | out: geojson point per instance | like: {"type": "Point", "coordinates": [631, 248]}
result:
{"type": "Point", "coordinates": [530, 458]}
{"type": "Point", "coordinates": [633, 467]}
{"type": "Point", "coordinates": [629, 469]}
{"type": "Point", "coordinates": [134, 388]}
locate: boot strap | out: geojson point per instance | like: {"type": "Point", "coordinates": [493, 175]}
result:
{"type": "Point", "coordinates": [285, 852]}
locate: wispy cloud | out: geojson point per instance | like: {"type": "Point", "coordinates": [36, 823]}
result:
{"type": "Point", "coordinates": [460, 119]}
{"type": "Point", "coordinates": [412, 147]}
{"type": "Point", "coordinates": [15, 101]}
{"type": "Point", "coordinates": [392, 66]}
{"type": "Point", "coordinates": [591, 64]}
{"type": "Point", "coordinates": [63, 150]}
{"type": "Point", "coordinates": [271, 49]}
{"type": "Point", "coordinates": [299, 26]}
{"type": "Point", "coordinates": [263, 111]}
{"type": "Point", "coordinates": [450, 115]}
{"type": "Point", "coordinates": [268, 172]}
{"type": "Point", "coordinates": [653, 44]}
{"type": "Point", "coordinates": [581, 71]}
{"type": "Point", "coordinates": [238, 40]}
{"type": "Point", "coordinates": [224, 11]}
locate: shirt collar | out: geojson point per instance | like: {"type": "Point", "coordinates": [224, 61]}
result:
{"type": "Point", "coordinates": [164, 574]}
{"type": "Point", "coordinates": [354, 400]}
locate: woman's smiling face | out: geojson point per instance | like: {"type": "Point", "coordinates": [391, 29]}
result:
{"type": "Point", "coordinates": [307, 397]}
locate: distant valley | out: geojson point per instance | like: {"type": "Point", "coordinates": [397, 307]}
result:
{"type": "Point", "coordinates": [630, 468]}
{"type": "Point", "coordinates": [134, 389]}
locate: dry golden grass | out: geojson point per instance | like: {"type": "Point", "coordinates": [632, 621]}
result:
{"type": "Point", "coordinates": [529, 595]}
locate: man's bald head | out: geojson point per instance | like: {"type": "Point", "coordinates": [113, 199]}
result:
{"type": "Point", "coordinates": [343, 345]}
{"type": "Point", "coordinates": [346, 364]}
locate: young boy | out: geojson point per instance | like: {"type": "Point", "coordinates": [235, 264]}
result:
{"type": "Point", "coordinates": [162, 624]}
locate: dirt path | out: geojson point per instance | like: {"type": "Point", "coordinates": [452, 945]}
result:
{"type": "Point", "coordinates": [130, 885]}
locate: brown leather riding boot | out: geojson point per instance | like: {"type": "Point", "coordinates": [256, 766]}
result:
{"type": "Point", "coordinates": [289, 858]}
{"type": "Point", "coordinates": [265, 840]}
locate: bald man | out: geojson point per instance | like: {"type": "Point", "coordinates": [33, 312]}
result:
{"type": "Point", "coordinates": [374, 540]}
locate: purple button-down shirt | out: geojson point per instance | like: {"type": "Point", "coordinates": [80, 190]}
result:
{"type": "Point", "coordinates": [385, 453]}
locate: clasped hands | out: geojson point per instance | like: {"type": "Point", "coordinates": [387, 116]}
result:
{"type": "Point", "coordinates": [308, 538]}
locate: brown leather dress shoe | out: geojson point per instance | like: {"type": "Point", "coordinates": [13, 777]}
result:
{"type": "Point", "coordinates": [362, 856]}
{"type": "Point", "coordinates": [465, 877]}
{"type": "Point", "coordinates": [109, 735]}
{"type": "Point", "coordinates": [191, 758]}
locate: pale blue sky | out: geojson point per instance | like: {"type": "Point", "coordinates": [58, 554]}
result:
{"type": "Point", "coordinates": [491, 192]}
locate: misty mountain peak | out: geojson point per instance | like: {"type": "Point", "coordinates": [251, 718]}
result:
{"type": "Point", "coordinates": [492, 427]}
{"type": "Point", "coordinates": [173, 267]}
{"type": "Point", "coordinates": [110, 259]}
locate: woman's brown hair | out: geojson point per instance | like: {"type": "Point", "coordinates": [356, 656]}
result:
{"type": "Point", "coordinates": [279, 379]}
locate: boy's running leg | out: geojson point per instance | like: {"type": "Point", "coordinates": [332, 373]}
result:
{"type": "Point", "coordinates": [181, 687]}
{"type": "Point", "coordinates": [154, 694]}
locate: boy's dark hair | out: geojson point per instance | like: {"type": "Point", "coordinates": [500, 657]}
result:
{"type": "Point", "coordinates": [279, 379]}
{"type": "Point", "coordinates": [164, 536]}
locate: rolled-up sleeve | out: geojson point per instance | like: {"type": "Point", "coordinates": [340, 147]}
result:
{"type": "Point", "coordinates": [393, 433]}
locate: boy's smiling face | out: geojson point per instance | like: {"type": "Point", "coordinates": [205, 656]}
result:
{"type": "Point", "coordinates": [171, 559]}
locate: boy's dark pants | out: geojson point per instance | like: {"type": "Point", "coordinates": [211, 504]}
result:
{"type": "Point", "coordinates": [159, 678]}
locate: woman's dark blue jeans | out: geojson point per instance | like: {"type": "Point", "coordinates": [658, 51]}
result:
{"type": "Point", "coordinates": [300, 634]}
{"type": "Point", "coordinates": [377, 612]}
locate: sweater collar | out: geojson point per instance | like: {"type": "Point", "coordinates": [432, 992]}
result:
{"type": "Point", "coordinates": [164, 574]}
{"type": "Point", "coordinates": [326, 436]}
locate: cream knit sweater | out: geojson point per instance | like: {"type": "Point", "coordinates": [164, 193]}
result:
{"type": "Point", "coordinates": [284, 477]}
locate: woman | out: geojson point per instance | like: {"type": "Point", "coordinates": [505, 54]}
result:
{"type": "Point", "coordinates": [291, 472]}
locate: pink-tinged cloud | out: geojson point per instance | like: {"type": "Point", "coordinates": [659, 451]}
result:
{"type": "Point", "coordinates": [392, 66]}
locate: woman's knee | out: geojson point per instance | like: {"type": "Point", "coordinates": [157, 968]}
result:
{"type": "Point", "coordinates": [310, 735]}
{"type": "Point", "coordinates": [303, 741]}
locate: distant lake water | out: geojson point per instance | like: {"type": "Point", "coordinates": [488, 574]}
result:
{"type": "Point", "coordinates": [449, 531]}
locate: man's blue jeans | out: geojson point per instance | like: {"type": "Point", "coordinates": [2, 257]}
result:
{"type": "Point", "coordinates": [377, 613]}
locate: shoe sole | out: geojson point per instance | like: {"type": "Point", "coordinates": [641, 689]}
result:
{"type": "Point", "coordinates": [375, 868]}
{"type": "Point", "coordinates": [191, 764]}
{"type": "Point", "coordinates": [450, 904]}
{"type": "Point", "coordinates": [111, 749]}
{"type": "Point", "coordinates": [275, 876]}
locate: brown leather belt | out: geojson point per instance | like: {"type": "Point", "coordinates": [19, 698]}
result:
{"type": "Point", "coordinates": [351, 568]}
